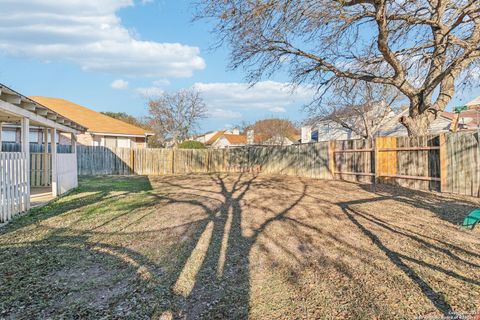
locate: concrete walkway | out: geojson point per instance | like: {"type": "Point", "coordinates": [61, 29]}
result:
{"type": "Point", "coordinates": [40, 196]}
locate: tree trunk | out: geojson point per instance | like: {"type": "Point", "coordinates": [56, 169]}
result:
{"type": "Point", "coordinates": [419, 124]}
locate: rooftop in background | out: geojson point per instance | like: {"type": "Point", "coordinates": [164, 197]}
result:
{"type": "Point", "coordinates": [236, 139]}
{"type": "Point", "coordinates": [95, 122]}
{"type": "Point", "coordinates": [215, 137]}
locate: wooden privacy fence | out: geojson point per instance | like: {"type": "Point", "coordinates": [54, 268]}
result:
{"type": "Point", "coordinates": [38, 176]}
{"type": "Point", "coordinates": [447, 163]}
{"type": "Point", "coordinates": [14, 188]}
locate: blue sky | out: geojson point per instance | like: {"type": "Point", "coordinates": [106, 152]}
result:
{"type": "Point", "coordinates": [111, 55]}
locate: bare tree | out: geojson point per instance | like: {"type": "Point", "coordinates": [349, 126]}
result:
{"type": "Point", "coordinates": [174, 116]}
{"type": "Point", "coordinates": [273, 131]}
{"type": "Point", "coordinates": [359, 106]}
{"type": "Point", "coordinates": [423, 48]}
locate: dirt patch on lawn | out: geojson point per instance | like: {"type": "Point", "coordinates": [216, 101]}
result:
{"type": "Point", "coordinates": [242, 246]}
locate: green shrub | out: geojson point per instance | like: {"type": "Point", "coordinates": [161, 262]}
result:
{"type": "Point", "coordinates": [189, 144]}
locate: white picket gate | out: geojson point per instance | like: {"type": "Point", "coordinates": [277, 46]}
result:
{"type": "Point", "coordinates": [14, 185]}
{"type": "Point", "coordinates": [67, 177]}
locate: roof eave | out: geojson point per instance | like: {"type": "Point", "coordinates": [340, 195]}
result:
{"type": "Point", "coordinates": [36, 111]}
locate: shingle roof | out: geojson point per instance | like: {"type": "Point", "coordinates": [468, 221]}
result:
{"type": "Point", "coordinates": [215, 137]}
{"type": "Point", "coordinates": [236, 139]}
{"type": "Point", "coordinates": [92, 120]}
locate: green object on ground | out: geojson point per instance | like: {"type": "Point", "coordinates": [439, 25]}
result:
{"type": "Point", "coordinates": [460, 109]}
{"type": "Point", "coordinates": [472, 219]}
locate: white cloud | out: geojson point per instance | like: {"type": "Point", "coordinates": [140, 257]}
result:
{"type": "Point", "coordinates": [266, 95]}
{"type": "Point", "coordinates": [119, 84]}
{"type": "Point", "coordinates": [161, 83]}
{"type": "Point", "coordinates": [278, 109]}
{"type": "Point", "coordinates": [149, 92]}
{"type": "Point", "coordinates": [155, 90]}
{"type": "Point", "coordinates": [90, 34]}
{"type": "Point", "coordinates": [224, 114]}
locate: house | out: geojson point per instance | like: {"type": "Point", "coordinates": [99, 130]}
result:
{"type": "Point", "coordinates": [224, 139]}
{"type": "Point", "coordinates": [101, 130]}
{"type": "Point", "coordinates": [328, 130]}
{"type": "Point", "coordinates": [468, 119]}
{"type": "Point", "coordinates": [58, 170]}
{"type": "Point", "coordinates": [210, 137]}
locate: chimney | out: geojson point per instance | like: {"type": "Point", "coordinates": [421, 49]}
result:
{"type": "Point", "coordinates": [236, 131]}
{"type": "Point", "coordinates": [250, 137]}
{"type": "Point", "coordinates": [306, 134]}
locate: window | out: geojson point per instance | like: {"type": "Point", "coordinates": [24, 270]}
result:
{"type": "Point", "coordinates": [123, 142]}
{"type": "Point", "coordinates": [9, 136]}
{"type": "Point", "coordinates": [110, 142]}
{"type": "Point", "coordinates": [33, 136]}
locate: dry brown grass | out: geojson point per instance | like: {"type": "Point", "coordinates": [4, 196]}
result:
{"type": "Point", "coordinates": [238, 246]}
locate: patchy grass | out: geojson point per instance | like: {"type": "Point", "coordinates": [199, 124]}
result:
{"type": "Point", "coordinates": [238, 246]}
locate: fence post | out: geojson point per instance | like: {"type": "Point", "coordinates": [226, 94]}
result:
{"type": "Point", "coordinates": [375, 164]}
{"type": "Point", "coordinates": [132, 161]}
{"type": "Point", "coordinates": [53, 139]}
{"type": "Point", "coordinates": [443, 163]}
{"type": "Point", "coordinates": [331, 158]}
{"type": "Point", "coordinates": [173, 161]}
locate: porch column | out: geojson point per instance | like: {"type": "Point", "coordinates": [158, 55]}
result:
{"type": "Point", "coordinates": [53, 142]}
{"type": "Point", "coordinates": [73, 139]}
{"type": "Point", "coordinates": [45, 175]}
{"type": "Point", "coordinates": [25, 134]}
{"type": "Point", "coordinates": [1, 129]}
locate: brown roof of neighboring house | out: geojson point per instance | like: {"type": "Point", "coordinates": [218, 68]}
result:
{"type": "Point", "coordinates": [92, 120]}
{"type": "Point", "coordinates": [215, 137]}
{"type": "Point", "coordinates": [235, 138]}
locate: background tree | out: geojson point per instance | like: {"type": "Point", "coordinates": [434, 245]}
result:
{"type": "Point", "coordinates": [174, 116]}
{"type": "Point", "coordinates": [361, 107]}
{"type": "Point", "coordinates": [273, 130]}
{"type": "Point", "coordinates": [423, 48]}
{"type": "Point", "coordinates": [191, 144]}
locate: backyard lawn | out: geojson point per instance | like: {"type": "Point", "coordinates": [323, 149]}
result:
{"type": "Point", "coordinates": [240, 246]}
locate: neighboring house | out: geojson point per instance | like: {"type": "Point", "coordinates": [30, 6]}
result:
{"type": "Point", "coordinates": [224, 139]}
{"type": "Point", "coordinates": [394, 128]}
{"type": "Point", "coordinates": [102, 130]}
{"type": "Point", "coordinates": [210, 137]}
{"type": "Point", "coordinates": [229, 141]}
{"type": "Point", "coordinates": [328, 130]}
{"type": "Point", "coordinates": [470, 118]}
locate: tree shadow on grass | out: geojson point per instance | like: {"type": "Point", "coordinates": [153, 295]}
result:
{"type": "Point", "coordinates": [214, 281]}
{"type": "Point", "coordinates": [207, 272]}
{"type": "Point", "coordinates": [443, 206]}
{"type": "Point", "coordinates": [399, 259]}
{"type": "Point", "coordinates": [68, 277]}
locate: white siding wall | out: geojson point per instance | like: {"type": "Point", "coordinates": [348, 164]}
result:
{"type": "Point", "coordinates": [331, 131]}
{"type": "Point", "coordinates": [67, 177]}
